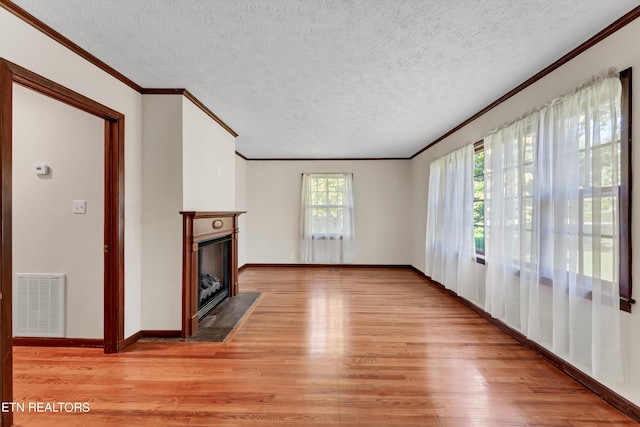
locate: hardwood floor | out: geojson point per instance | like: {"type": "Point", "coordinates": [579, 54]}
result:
{"type": "Point", "coordinates": [354, 347]}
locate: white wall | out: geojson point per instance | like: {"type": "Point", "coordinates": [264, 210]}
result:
{"type": "Point", "coordinates": [183, 150]}
{"type": "Point", "coordinates": [619, 50]}
{"type": "Point", "coordinates": [209, 162]}
{"type": "Point", "coordinates": [47, 236]}
{"type": "Point", "coordinates": [241, 205]}
{"type": "Point", "coordinates": [382, 193]}
{"type": "Point", "coordinates": [161, 205]}
{"type": "Point", "coordinates": [22, 44]}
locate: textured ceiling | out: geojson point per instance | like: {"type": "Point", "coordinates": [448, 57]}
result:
{"type": "Point", "coordinates": [332, 78]}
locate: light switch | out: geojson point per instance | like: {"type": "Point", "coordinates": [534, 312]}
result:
{"type": "Point", "coordinates": [79, 206]}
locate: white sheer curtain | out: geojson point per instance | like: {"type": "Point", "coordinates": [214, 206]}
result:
{"type": "Point", "coordinates": [510, 248]}
{"type": "Point", "coordinates": [327, 220]}
{"type": "Point", "coordinates": [450, 247]}
{"type": "Point", "coordinates": [552, 226]}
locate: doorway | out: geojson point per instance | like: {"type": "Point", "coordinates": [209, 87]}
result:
{"type": "Point", "coordinates": [113, 211]}
{"type": "Point", "coordinates": [57, 227]}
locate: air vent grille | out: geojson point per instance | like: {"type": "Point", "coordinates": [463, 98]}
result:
{"type": "Point", "coordinates": [38, 305]}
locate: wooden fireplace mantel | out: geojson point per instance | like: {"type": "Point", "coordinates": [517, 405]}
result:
{"type": "Point", "coordinates": [197, 227]}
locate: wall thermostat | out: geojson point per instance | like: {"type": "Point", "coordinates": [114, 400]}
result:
{"type": "Point", "coordinates": [41, 169]}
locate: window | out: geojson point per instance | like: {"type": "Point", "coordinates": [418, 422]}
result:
{"type": "Point", "coordinates": [603, 198]}
{"type": "Point", "coordinates": [599, 197]}
{"type": "Point", "coordinates": [327, 205]}
{"type": "Point", "coordinates": [478, 200]}
{"type": "Point", "coordinates": [603, 204]}
{"type": "Point", "coordinates": [327, 216]}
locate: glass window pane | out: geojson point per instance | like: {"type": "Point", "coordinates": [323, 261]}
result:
{"type": "Point", "coordinates": [528, 153]}
{"type": "Point", "coordinates": [605, 132]}
{"type": "Point", "coordinates": [608, 262]}
{"type": "Point", "coordinates": [587, 215]}
{"type": "Point", "coordinates": [322, 184]}
{"type": "Point", "coordinates": [478, 213]}
{"type": "Point", "coordinates": [587, 256]}
{"type": "Point", "coordinates": [479, 163]}
{"type": "Point", "coordinates": [581, 170]}
{"type": "Point", "coordinates": [602, 158]}
{"type": "Point", "coordinates": [478, 189]}
{"type": "Point", "coordinates": [599, 255]}
{"type": "Point", "coordinates": [332, 198]}
{"type": "Point", "coordinates": [478, 234]}
{"type": "Point", "coordinates": [607, 215]}
{"type": "Point", "coordinates": [527, 245]}
{"type": "Point", "coordinates": [528, 212]}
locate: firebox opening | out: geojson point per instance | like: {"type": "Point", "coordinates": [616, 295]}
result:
{"type": "Point", "coordinates": [214, 273]}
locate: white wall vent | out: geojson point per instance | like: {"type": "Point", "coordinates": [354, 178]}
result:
{"type": "Point", "coordinates": [38, 305]}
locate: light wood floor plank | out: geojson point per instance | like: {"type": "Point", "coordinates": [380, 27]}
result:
{"type": "Point", "coordinates": [324, 346]}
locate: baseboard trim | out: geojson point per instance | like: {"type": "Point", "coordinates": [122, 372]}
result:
{"type": "Point", "coordinates": [602, 391]}
{"type": "Point", "coordinates": [128, 342]}
{"type": "Point", "coordinates": [297, 265]}
{"type": "Point", "coordinates": [58, 342]}
{"type": "Point", "coordinates": [161, 334]}
{"type": "Point", "coordinates": [149, 334]}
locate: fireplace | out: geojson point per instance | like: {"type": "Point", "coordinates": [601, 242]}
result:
{"type": "Point", "coordinates": [209, 264]}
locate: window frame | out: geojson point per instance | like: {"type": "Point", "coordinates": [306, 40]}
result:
{"type": "Point", "coordinates": [625, 284]}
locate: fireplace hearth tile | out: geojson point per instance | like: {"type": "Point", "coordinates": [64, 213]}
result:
{"type": "Point", "coordinates": [223, 321]}
{"type": "Point", "coordinates": [219, 324]}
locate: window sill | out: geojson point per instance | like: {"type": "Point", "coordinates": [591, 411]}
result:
{"type": "Point", "coordinates": [625, 303]}
{"type": "Point", "coordinates": [326, 237]}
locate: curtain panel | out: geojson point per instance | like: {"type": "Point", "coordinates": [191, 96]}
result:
{"type": "Point", "coordinates": [327, 219]}
{"type": "Point", "coordinates": [552, 226]}
{"type": "Point", "coordinates": [450, 246]}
